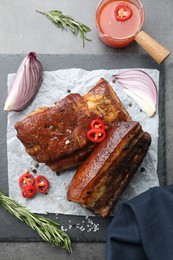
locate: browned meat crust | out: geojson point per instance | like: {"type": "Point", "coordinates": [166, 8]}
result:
{"type": "Point", "coordinates": [101, 179]}
{"type": "Point", "coordinates": [55, 131]}
{"type": "Point", "coordinates": [71, 161]}
{"type": "Point", "coordinates": [57, 135]}
{"type": "Point", "coordinates": [102, 100]}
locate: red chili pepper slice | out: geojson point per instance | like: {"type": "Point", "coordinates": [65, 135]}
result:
{"type": "Point", "coordinates": [123, 12]}
{"type": "Point", "coordinates": [97, 123]}
{"type": "Point", "coordinates": [26, 179]}
{"type": "Point", "coordinates": [29, 191]}
{"type": "Point", "coordinates": [42, 184]}
{"type": "Point", "coordinates": [96, 135]}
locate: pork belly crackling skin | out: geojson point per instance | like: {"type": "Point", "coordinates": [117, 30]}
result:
{"type": "Point", "coordinates": [102, 178]}
{"type": "Point", "coordinates": [56, 135]}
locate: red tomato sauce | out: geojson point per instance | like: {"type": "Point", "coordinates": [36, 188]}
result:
{"type": "Point", "coordinates": [118, 32]}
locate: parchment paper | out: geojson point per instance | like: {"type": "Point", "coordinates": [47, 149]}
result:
{"type": "Point", "coordinates": [55, 86]}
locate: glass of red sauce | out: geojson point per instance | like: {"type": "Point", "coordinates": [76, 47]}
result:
{"type": "Point", "coordinates": [119, 21]}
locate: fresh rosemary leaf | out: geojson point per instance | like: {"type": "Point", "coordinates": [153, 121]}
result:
{"type": "Point", "coordinates": [48, 229]}
{"type": "Point", "coordinates": [63, 21]}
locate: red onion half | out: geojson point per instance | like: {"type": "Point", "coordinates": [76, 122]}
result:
{"type": "Point", "coordinates": [140, 87]}
{"type": "Point", "coordinates": [25, 84]}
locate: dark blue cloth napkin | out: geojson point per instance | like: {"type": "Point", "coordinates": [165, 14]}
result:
{"type": "Point", "coordinates": [143, 227]}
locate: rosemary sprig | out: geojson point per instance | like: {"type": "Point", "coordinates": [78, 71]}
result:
{"type": "Point", "coordinates": [63, 21]}
{"type": "Point", "coordinates": [48, 229]}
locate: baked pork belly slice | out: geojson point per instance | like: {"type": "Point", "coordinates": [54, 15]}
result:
{"type": "Point", "coordinates": [71, 161]}
{"type": "Point", "coordinates": [102, 178]}
{"type": "Point", "coordinates": [57, 135]}
{"type": "Point", "coordinates": [53, 132]}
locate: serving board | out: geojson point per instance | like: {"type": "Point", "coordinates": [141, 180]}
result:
{"type": "Point", "coordinates": [79, 228]}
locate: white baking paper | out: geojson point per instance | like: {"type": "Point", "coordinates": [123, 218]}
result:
{"type": "Point", "coordinates": [54, 87]}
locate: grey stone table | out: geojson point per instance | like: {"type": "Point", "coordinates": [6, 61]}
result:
{"type": "Point", "coordinates": [23, 30]}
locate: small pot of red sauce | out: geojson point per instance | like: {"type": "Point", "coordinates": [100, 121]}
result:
{"type": "Point", "coordinates": [119, 23]}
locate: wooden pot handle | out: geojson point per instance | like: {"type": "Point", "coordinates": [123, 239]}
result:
{"type": "Point", "coordinates": [152, 47]}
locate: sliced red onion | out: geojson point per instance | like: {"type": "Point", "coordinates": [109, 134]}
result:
{"type": "Point", "coordinates": [25, 84]}
{"type": "Point", "coordinates": [140, 87]}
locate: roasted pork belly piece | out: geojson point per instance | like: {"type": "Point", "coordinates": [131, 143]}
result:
{"type": "Point", "coordinates": [103, 103]}
{"type": "Point", "coordinates": [57, 135]}
{"type": "Point", "coordinates": [56, 131]}
{"type": "Point", "coordinates": [102, 178]}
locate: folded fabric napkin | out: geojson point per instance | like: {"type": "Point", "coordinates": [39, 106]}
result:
{"type": "Point", "coordinates": [143, 227]}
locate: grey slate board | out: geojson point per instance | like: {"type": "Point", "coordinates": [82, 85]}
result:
{"type": "Point", "coordinates": [12, 229]}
